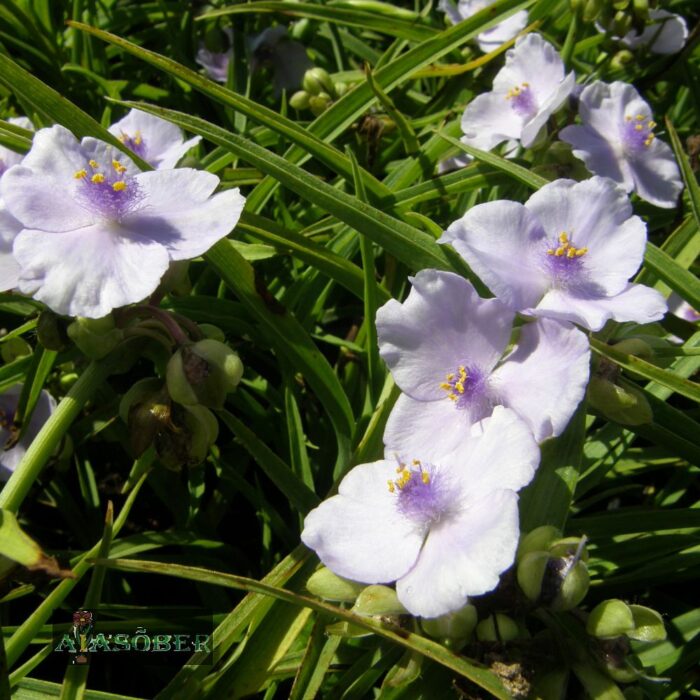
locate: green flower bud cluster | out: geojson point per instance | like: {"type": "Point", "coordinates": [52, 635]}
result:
{"type": "Point", "coordinates": [319, 92]}
{"type": "Point", "coordinates": [613, 623]}
{"type": "Point", "coordinates": [551, 569]}
{"type": "Point", "coordinates": [619, 16]}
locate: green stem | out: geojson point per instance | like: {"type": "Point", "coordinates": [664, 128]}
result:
{"type": "Point", "coordinates": [50, 435]}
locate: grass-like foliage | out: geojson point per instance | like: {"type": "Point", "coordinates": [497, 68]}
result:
{"type": "Point", "coordinates": [161, 462]}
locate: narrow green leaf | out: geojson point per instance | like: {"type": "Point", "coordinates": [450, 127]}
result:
{"type": "Point", "coordinates": [426, 647]}
{"type": "Point", "coordinates": [684, 283]}
{"type": "Point", "coordinates": [686, 171]}
{"type": "Point", "coordinates": [666, 378]}
{"type": "Point", "coordinates": [280, 473]}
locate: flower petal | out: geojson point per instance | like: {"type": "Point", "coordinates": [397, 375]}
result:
{"type": "Point", "coordinates": [545, 378]}
{"type": "Point", "coordinates": [90, 271]}
{"type": "Point", "coordinates": [463, 556]}
{"type": "Point", "coordinates": [504, 31]}
{"type": "Point", "coordinates": [9, 228]}
{"type": "Point", "coordinates": [488, 120]}
{"type": "Point", "coordinates": [442, 323]}
{"type": "Point", "coordinates": [179, 212]}
{"type": "Point", "coordinates": [39, 193]}
{"type": "Point", "coordinates": [635, 303]}
{"type": "Point", "coordinates": [597, 215]}
{"type": "Point", "coordinates": [501, 241]}
{"type": "Point", "coordinates": [425, 429]}
{"type": "Point", "coordinates": [656, 175]}
{"type": "Point", "coordinates": [360, 534]}
{"type": "Point", "coordinates": [550, 105]}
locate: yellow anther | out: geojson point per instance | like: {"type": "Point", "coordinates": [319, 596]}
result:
{"type": "Point", "coordinates": [137, 138]}
{"type": "Point", "coordinates": [526, 85]}
{"type": "Point", "coordinates": [97, 178]}
{"type": "Point", "coordinates": [651, 124]}
{"type": "Point", "coordinates": [390, 484]}
{"type": "Point", "coordinates": [640, 117]}
{"type": "Point", "coordinates": [452, 397]}
{"type": "Point", "coordinates": [415, 462]}
{"type": "Point", "coordinates": [425, 477]}
{"type": "Point", "coordinates": [123, 137]}
{"type": "Point", "coordinates": [628, 118]}
{"type": "Point", "coordinates": [118, 167]}
{"type": "Point", "coordinates": [563, 238]}
{"type": "Point", "coordinates": [400, 468]}
{"type": "Point", "coordinates": [446, 386]}
{"type": "Point", "coordinates": [80, 174]}
{"type": "Point", "coordinates": [571, 252]}
{"type": "Point", "coordinates": [460, 387]}
{"type": "Point", "coordinates": [93, 164]}
{"type": "Point", "coordinates": [119, 186]}
{"type": "Point", "coordinates": [450, 376]}
{"type": "Point", "coordinates": [560, 251]}
{"type": "Point", "coordinates": [638, 127]}
{"type": "Point", "coordinates": [550, 251]}
{"type": "Point", "coordinates": [581, 251]}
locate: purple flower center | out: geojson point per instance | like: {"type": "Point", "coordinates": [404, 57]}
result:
{"type": "Point", "coordinates": [637, 133]}
{"type": "Point", "coordinates": [522, 101]}
{"type": "Point", "coordinates": [421, 492]}
{"type": "Point", "coordinates": [134, 143]}
{"type": "Point", "coordinates": [109, 192]}
{"type": "Point", "coordinates": [465, 386]}
{"type": "Point", "coordinates": [563, 259]}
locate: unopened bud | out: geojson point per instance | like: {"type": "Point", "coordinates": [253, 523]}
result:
{"type": "Point", "coordinates": [648, 625]}
{"type": "Point", "coordinates": [14, 348]}
{"type": "Point", "coordinates": [530, 573]}
{"type": "Point", "coordinates": [621, 59]}
{"type": "Point", "coordinates": [145, 408]}
{"type": "Point", "coordinates": [591, 10]}
{"type": "Point", "coordinates": [538, 539]}
{"type": "Point", "coordinates": [317, 80]}
{"type": "Point", "coordinates": [636, 347]}
{"type": "Point", "coordinates": [212, 332]}
{"type": "Point", "coordinates": [624, 405]}
{"type": "Point", "coordinates": [621, 24]}
{"type": "Point", "coordinates": [340, 88]}
{"type": "Point", "coordinates": [95, 337]}
{"type": "Point", "coordinates": [497, 628]}
{"type": "Point", "coordinates": [318, 104]}
{"type": "Point", "coordinates": [611, 618]}
{"type": "Point", "coordinates": [186, 441]}
{"type": "Point", "coordinates": [329, 586]}
{"type": "Point", "coordinates": [453, 629]}
{"type": "Point", "coordinates": [641, 10]}
{"type": "Point", "coordinates": [573, 585]}
{"type": "Point", "coordinates": [203, 373]}
{"type": "Point", "coordinates": [51, 331]}
{"type": "Point", "coordinates": [378, 600]}
{"type": "Point", "coordinates": [299, 100]}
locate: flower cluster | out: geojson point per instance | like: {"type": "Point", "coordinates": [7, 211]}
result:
{"type": "Point", "coordinates": [483, 381]}
{"type": "Point", "coordinates": [90, 233]}
{"type": "Point", "coordinates": [615, 139]}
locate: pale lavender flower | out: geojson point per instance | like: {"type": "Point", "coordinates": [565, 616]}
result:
{"type": "Point", "coordinates": [665, 33]}
{"type": "Point", "coordinates": [526, 92]}
{"type": "Point", "coordinates": [445, 348]}
{"type": "Point", "coordinates": [492, 38]}
{"type": "Point", "coordinates": [97, 234]}
{"type": "Point", "coordinates": [9, 226]}
{"type": "Point", "coordinates": [443, 529]}
{"type": "Point", "coordinates": [567, 253]}
{"type": "Point", "coordinates": [11, 449]}
{"type": "Point", "coordinates": [616, 139]}
{"type": "Point", "coordinates": [286, 57]}
{"type": "Point", "coordinates": [681, 308]}
{"type": "Point", "coordinates": [159, 142]}
{"type": "Point", "coordinates": [215, 63]}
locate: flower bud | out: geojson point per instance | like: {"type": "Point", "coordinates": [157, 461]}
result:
{"type": "Point", "coordinates": [378, 600]}
{"type": "Point", "coordinates": [340, 88]}
{"type": "Point", "coordinates": [51, 331]}
{"type": "Point", "coordinates": [591, 10]}
{"type": "Point", "coordinates": [318, 104]}
{"type": "Point", "coordinates": [453, 629]}
{"type": "Point", "coordinates": [145, 408]}
{"type": "Point", "coordinates": [569, 547]}
{"type": "Point", "coordinates": [95, 337]}
{"type": "Point", "coordinates": [624, 405]}
{"type": "Point", "coordinates": [648, 625]}
{"type": "Point", "coordinates": [497, 628]}
{"type": "Point", "coordinates": [203, 373]}
{"type": "Point", "coordinates": [212, 332]}
{"type": "Point", "coordinates": [611, 618]}
{"type": "Point", "coordinates": [14, 348]}
{"type": "Point", "coordinates": [538, 539]}
{"type": "Point", "coordinates": [187, 439]}
{"type": "Point", "coordinates": [641, 10]}
{"type": "Point", "coordinates": [327, 585]}
{"type": "Point", "coordinates": [573, 585]}
{"type": "Point", "coordinates": [317, 80]}
{"type": "Point", "coordinates": [621, 59]}
{"type": "Point", "coordinates": [621, 24]}
{"type": "Point", "coordinates": [299, 100]}
{"type": "Point", "coordinates": [530, 573]}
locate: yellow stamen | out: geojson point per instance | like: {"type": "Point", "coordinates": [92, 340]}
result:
{"type": "Point", "coordinates": [581, 251]}
{"type": "Point", "coordinates": [80, 174]}
{"type": "Point", "coordinates": [550, 251]}
{"type": "Point", "coordinates": [118, 167]}
{"type": "Point", "coordinates": [526, 85]}
{"type": "Point", "coordinates": [571, 252]}
{"type": "Point", "coordinates": [119, 186]}
{"type": "Point", "coordinates": [628, 118]}
{"type": "Point", "coordinates": [452, 397]}
{"type": "Point", "coordinates": [390, 484]}
{"type": "Point", "coordinates": [137, 138]}
{"type": "Point", "coordinates": [416, 463]}
{"type": "Point", "coordinates": [563, 238]}
{"type": "Point", "coordinates": [651, 125]}
{"type": "Point", "coordinates": [640, 117]}
{"type": "Point", "coordinates": [446, 386]}
{"type": "Point", "coordinates": [93, 164]}
{"type": "Point", "coordinates": [97, 178]}
{"type": "Point", "coordinates": [425, 477]}
{"type": "Point", "coordinates": [638, 127]}
{"type": "Point", "coordinates": [560, 251]}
